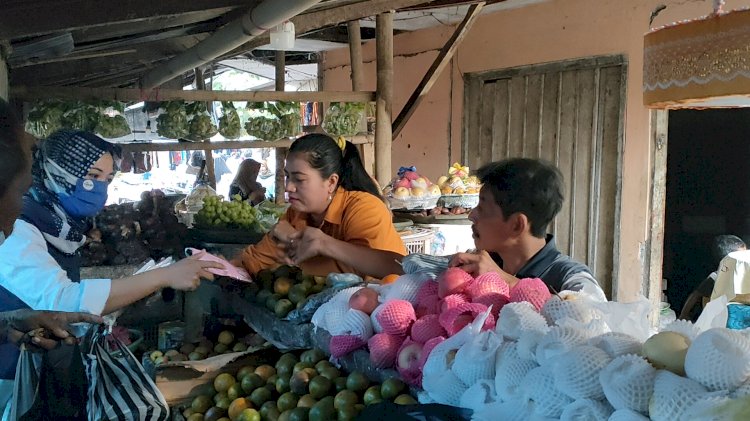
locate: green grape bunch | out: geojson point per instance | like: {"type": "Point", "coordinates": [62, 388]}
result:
{"type": "Point", "coordinates": [218, 213]}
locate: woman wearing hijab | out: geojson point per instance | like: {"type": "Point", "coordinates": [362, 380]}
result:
{"type": "Point", "coordinates": [40, 262]}
{"type": "Point", "coordinates": [245, 182]}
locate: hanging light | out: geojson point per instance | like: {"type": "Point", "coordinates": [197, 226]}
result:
{"type": "Point", "coordinates": [282, 36]}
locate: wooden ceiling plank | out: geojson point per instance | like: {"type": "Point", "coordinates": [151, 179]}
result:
{"type": "Point", "coordinates": [39, 17]}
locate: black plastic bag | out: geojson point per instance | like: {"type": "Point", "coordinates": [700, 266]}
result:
{"type": "Point", "coordinates": [419, 412]}
{"type": "Point", "coordinates": [61, 393]}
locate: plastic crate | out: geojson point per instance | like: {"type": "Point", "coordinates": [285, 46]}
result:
{"type": "Point", "coordinates": [417, 240]}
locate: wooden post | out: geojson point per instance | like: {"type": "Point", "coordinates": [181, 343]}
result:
{"type": "Point", "coordinates": [280, 152]}
{"type": "Point", "coordinates": [384, 97]}
{"type": "Point", "coordinates": [200, 84]}
{"type": "Point", "coordinates": [4, 88]}
{"type": "Point", "coordinates": [358, 81]}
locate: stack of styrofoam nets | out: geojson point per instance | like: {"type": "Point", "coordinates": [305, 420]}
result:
{"type": "Point", "coordinates": [406, 287]}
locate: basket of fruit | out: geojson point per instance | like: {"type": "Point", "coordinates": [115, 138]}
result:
{"type": "Point", "coordinates": [458, 189]}
{"type": "Point", "coordinates": [410, 191]}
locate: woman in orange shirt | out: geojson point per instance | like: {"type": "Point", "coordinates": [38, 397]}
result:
{"type": "Point", "coordinates": [337, 220]}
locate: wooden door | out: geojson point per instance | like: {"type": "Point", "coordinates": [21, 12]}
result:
{"type": "Point", "coordinates": [570, 113]}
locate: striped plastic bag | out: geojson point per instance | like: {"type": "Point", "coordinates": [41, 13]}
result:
{"type": "Point", "coordinates": [119, 388]}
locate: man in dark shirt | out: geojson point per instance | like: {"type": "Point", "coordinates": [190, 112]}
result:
{"type": "Point", "coordinates": [518, 200]}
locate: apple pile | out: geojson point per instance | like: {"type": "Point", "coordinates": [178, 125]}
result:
{"type": "Point", "coordinates": [458, 181]}
{"type": "Point", "coordinates": [423, 313]}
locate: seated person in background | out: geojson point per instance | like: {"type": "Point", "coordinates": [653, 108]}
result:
{"type": "Point", "coordinates": [518, 200]}
{"type": "Point", "coordinates": [721, 247]}
{"type": "Point", "coordinates": [337, 220]}
{"type": "Point", "coordinates": [245, 183]}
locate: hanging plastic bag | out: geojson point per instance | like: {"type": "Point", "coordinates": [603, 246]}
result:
{"type": "Point", "coordinates": [59, 392]}
{"type": "Point", "coordinates": [201, 125]}
{"type": "Point", "coordinates": [229, 123]}
{"type": "Point", "coordinates": [25, 384]}
{"type": "Point", "coordinates": [172, 122]}
{"type": "Point", "coordinates": [119, 388]}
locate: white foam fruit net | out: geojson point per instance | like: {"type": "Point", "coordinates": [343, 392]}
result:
{"type": "Point", "coordinates": [577, 372]}
{"type": "Point", "coordinates": [406, 287]}
{"type": "Point", "coordinates": [628, 382]}
{"type": "Point", "coordinates": [616, 344]}
{"type": "Point", "coordinates": [710, 408]}
{"type": "Point", "coordinates": [446, 388]}
{"type": "Point", "coordinates": [475, 360]}
{"type": "Point", "coordinates": [518, 318]}
{"type": "Point", "coordinates": [358, 323]}
{"type": "Point", "coordinates": [673, 395]}
{"type": "Point", "coordinates": [627, 415]}
{"type": "Point", "coordinates": [526, 344]}
{"type": "Point", "coordinates": [329, 315]}
{"type": "Point", "coordinates": [558, 340]}
{"type": "Point", "coordinates": [587, 409]}
{"type": "Point", "coordinates": [374, 319]}
{"type": "Point", "coordinates": [557, 309]}
{"type": "Point", "coordinates": [685, 328]}
{"type": "Point", "coordinates": [719, 358]}
{"type": "Point", "coordinates": [539, 387]}
{"type": "Point", "coordinates": [510, 370]}
{"type": "Point", "coordinates": [478, 395]}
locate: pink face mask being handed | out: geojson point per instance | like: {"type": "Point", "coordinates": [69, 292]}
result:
{"type": "Point", "coordinates": [229, 269]}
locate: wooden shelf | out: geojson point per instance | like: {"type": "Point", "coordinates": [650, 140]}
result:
{"type": "Point", "coordinates": [229, 144]}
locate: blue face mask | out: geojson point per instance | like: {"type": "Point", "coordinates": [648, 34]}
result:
{"type": "Point", "coordinates": [87, 199]}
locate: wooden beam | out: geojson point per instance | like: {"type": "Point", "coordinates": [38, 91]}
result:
{"type": "Point", "coordinates": [122, 94]}
{"type": "Point", "coordinates": [148, 146]}
{"type": "Point", "coordinates": [328, 17]}
{"type": "Point", "coordinates": [434, 72]}
{"type": "Point", "coordinates": [280, 81]}
{"type": "Point", "coordinates": [384, 93]}
{"type": "Point", "coordinates": [200, 85]}
{"type": "Point", "coordinates": [24, 18]}
{"type": "Point", "coordinates": [451, 3]}
{"type": "Point", "coordinates": [358, 81]}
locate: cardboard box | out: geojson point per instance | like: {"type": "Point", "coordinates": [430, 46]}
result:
{"type": "Point", "coordinates": [181, 381]}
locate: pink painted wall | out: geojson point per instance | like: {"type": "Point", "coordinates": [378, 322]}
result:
{"type": "Point", "coordinates": [550, 31]}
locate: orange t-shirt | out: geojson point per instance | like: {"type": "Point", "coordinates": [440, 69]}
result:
{"type": "Point", "coordinates": [353, 216]}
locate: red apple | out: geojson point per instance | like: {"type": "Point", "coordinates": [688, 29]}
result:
{"type": "Point", "coordinates": [364, 300]}
{"type": "Point", "coordinates": [452, 281]}
{"type": "Point", "coordinates": [411, 175]}
{"type": "Point", "coordinates": [403, 182]}
{"type": "Point", "coordinates": [409, 356]}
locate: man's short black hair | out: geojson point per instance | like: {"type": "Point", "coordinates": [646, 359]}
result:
{"type": "Point", "coordinates": [13, 157]}
{"type": "Point", "coordinates": [725, 244]}
{"type": "Point", "coordinates": [530, 186]}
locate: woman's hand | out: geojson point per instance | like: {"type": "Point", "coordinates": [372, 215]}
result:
{"type": "Point", "coordinates": [305, 244]}
{"type": "Point", "coordinates": [282, 231]}
{"type": "Point", "coordinates": [54, 325]}
{"type": "Point", "coordinates": [479, 263]}
{"type": "Point", "coordinates": [186, 274]}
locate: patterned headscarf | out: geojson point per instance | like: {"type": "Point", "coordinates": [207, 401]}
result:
{"type": "Point", "coordinates": [59, 162]}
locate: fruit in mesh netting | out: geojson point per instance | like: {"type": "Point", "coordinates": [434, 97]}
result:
{"type": "Point", "coordinates": [396, 317]}
{"type": "Point", "coordinates": [384, 349]}
{"type": "Point", "coordinates": [532, 290]}
{"type": "Point", "coordinates": [365, 300]}
{"type": "Point", "coordinates": [453, 281]}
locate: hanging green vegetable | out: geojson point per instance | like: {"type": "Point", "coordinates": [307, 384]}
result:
{"type": "Point", "coordinates": [277, 120]}
{"type": "Point", "coordinates": [80, 116]}
{"type": "Point", "coordinates": [343, 118]}
{"type": "Point", "coordinates": [229, 123]}
{"type": "Point", "coordinates": [112, 123]}
{"type": "Point", "coordinates": [44, 118]}
{"type": "Point", "coordinates": [201, 126]}
{"type": "Point", "coordinates": [172, 123]}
